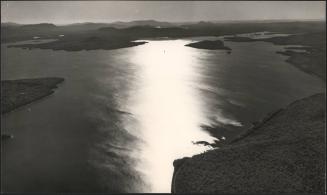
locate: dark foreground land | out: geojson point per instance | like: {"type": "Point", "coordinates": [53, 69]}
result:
{"type": "Point", "coordinates": [16, 93]}
{"type": "Point", "coordinates": [211, 45]}
{"type": "Point", "coordinates": [284, 153]}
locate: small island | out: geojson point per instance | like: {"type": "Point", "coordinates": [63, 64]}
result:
{"type": "Point", "coordinates": [211, 45]}
{"type": "Point", "coordinates": [16, 93]}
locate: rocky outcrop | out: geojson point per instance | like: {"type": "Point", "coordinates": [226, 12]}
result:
{"type": "Point", "coordinates": [285, 153]}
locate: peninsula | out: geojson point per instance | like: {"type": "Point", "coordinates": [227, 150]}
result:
{"type": "Point", "coordinates": [16, 93]}
{"type": "Point", "coordinates": [211, 45]}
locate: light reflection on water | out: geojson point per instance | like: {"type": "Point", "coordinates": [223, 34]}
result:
{"type": "Point", "coordinates": [167, 107]}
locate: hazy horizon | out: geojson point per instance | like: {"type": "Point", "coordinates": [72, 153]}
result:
{"type": "Point", "coordinates": [69, 12]}
{"type": "Point", "coordinates": [222, 21]}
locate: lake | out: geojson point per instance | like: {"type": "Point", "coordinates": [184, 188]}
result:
{"type": "Point", "coordinates": [122, 116]}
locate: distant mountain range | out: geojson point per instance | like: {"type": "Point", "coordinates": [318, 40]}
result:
{"type": "Point", "coordinates": [120, 24]}
{"type": "Point", "coordinates": [141, 23]}
{"type": "Point", "coordinates": [91, 25]}
{"type": "Point", "coordinates": [6, 24]}
{"type": "Point", "coordinates": [149, 28]}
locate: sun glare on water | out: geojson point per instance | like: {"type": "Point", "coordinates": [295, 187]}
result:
{"type": "Point", "coordinates": [167, 107]}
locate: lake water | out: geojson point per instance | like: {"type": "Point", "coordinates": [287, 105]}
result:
{"type": "Point", "coordinates": [122, 116]}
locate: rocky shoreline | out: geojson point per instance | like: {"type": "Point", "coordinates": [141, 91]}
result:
{"type": "Point", "coordinates": [283, 154]}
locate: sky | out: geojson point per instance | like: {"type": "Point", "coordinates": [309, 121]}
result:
{"type": "Point", "coordinates": [65, 12]}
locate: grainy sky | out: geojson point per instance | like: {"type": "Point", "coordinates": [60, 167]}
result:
{"type": "Point", "coordinates": [63, 12]}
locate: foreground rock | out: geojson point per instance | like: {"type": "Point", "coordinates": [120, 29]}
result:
{"type": "Point", "coordinates": [16, 93]}
{"type": "Point", "coordinates": [284, 153]}
{"type": "Point", "coordinates": [211, 45]}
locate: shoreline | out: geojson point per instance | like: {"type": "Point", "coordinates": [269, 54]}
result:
{"type": "Point", "coordinates": [291, 136]}
{"type": "Point", "coordinates": [21, 92]}
{"type": "Point", "coordinates": [209, 45]}
{"type": "Point", "coordinates": [311, 59]}
{"type": "Point", "coordinates": [83, 45]}
{"type": "Point", "coordinates": [18, 93]}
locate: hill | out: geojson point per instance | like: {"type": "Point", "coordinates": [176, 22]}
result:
{"type": "Point", "coordinates": [283, 154]}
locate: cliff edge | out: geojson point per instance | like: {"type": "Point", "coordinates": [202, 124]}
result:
{"type": "Point", "coordinates": [284, 153]}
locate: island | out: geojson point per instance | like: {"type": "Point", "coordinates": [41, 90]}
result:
{"type": "Point", "coordinates": [16, 93]}
{"type": "Point", "coordinates": [285, 153]}
{"type": "Point", "coordinates": [211, 45]}
{"type": "Point", "coordinates": [83, 43]}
